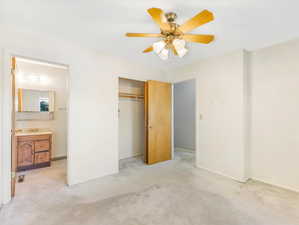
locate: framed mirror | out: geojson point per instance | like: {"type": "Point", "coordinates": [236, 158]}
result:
{"type": "Point", "coordinates": [29, 100]}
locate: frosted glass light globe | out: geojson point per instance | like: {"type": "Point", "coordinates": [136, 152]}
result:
{"type": "Point", "coordinates": [159, 46]}
{"type": "Point", "coordinates": [164, 54]}
{"type": "Point", "coordinates": [182, 52]}
{"type": "Point", "coordinates": [179, 44]}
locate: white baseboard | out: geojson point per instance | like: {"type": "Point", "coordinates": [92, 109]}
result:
{"type": "Point", "coordinates": [183, 150]}
{"type": "Point", "coordinates": [245, 180]}
{"type": "Point", "coordinates": [275, 185]}
{"type": "Point", "coordinates": [222, 174]}
{"type": "Point", "coordinates": [131, 156]}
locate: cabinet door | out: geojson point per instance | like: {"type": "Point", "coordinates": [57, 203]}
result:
{"type": "Point", "coordinates": [42, 157]}
{"type": "Point", "coordinates": [25, 153]}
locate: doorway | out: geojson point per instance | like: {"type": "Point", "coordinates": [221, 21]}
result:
{"type": "Point", "coordinates": [131, 122]}
{"type": "Point", "coordinates": [145, 120]}
{"type": "Point", "coordinates": [184, 110]}
{"type": "Point", "coordinates": [39, 125]}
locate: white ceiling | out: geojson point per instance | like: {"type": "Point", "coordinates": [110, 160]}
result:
{"type": "Point", "coordinates": [101, 24]}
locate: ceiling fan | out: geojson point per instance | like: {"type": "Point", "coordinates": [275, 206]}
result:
{"type": "Point", "coordinates": [174, 36]}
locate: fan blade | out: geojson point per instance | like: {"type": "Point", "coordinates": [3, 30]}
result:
{"type": "Point", "coordinates": [200, 38]}
{"type": "Point", "coordinates": [142, 35]}
{"type": "Point", "coordinates": [198, 20]}
{"type": "Point", "coordinates": [157, 15]}
{"type": "Point", "coordinates": [149, 49]}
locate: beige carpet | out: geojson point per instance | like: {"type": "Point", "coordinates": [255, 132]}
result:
{"type": "Point", "coordinates": [171, 193]}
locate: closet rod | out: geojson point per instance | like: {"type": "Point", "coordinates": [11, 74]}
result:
{"type": "Point", "coordinates": [129, 95]}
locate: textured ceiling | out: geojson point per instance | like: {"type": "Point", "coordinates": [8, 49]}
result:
{"type": "Point", "coordinates": [101, 24]}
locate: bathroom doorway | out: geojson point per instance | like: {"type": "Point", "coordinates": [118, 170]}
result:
{"type": "Point", "coordinates": [39, 125]}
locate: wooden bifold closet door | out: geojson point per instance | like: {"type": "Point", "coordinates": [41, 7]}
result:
{"type": "Point", "coordinates": [158, 111]}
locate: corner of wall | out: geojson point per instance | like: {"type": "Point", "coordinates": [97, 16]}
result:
{"type": "Point", "coordinates": [212, 69]}
{"type": "Point", "coordinates": [247, 113]}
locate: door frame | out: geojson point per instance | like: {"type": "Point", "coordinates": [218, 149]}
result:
{"type": "Point", "coordinates": [13, 127]}
{"type": "Point", "coordinates": [126, 77]}
{"type": "Point", "coordinates": [6, 153]}
{"type": "Point", "coordinates": [196, 119]}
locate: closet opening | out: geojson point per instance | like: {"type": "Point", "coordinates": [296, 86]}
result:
{"type": "Point", "coordinates": [39, 125]}
{"type": "Point", "coordinates": [184, 110]}
{"type": "Point", "coordinates": [131, 119]}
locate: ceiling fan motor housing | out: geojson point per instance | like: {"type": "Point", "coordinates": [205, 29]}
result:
{"type": "Point", "coordinates": [171, 17]}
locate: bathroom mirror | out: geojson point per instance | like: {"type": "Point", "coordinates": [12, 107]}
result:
{"type": "Point", "coordinates": [35, 100]}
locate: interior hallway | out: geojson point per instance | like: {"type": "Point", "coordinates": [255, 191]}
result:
{"type": "Point", "coordinates": [172, 192]}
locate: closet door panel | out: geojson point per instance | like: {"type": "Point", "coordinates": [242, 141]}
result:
{"type": "Point", "coordinates": [159, 110]}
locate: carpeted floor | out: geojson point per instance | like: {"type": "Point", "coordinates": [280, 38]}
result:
{"type": "Point", "coordinates": [170, 193]}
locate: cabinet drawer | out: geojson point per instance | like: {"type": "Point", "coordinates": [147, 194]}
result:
{"type": "Point", "coordinates": [41, 157]}
{"type": "Point", "coordinates": [41, 145]}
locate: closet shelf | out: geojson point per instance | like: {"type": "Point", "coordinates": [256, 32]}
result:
{"type": "Point", "coordinates": [130, 95]}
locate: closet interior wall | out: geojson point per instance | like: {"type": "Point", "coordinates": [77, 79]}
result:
{"type": "Point", "coordinates": [131, 118]}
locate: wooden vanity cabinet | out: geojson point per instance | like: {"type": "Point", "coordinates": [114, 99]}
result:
{"type": "Point", "coordinates": [33, 151]}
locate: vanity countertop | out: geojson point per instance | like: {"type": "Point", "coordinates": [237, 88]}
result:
{"type": "Point", "coordinates": [32, 132]}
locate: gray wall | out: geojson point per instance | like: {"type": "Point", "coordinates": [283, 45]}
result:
{"type": "Point", "coordinates": [184, 115]}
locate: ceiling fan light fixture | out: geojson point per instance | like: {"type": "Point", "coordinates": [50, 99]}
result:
{"type": "Point", "coordinates": [164, 54]}
{"type": "Point", "coordinates": [159, 46]}
{"type": "Point", "coordinates": [174, 36]}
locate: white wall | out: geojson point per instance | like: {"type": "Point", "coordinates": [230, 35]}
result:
{"type": "Point", "coordinates": [93, 102]}
{"type": "Point", "coordinates": [184, 114]}
{"type": "Point", "coordinates": [249, 106]}
{"type": "Point", "coordinates": [131, 120]}
{"type": "Point", "coordinates": [220, 102]}
{"type": "Point", "coordinates": [54, 79]}
{"type": "Point", "coordinates": [274, 75]}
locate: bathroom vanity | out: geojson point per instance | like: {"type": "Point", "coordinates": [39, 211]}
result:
{"type": "Point", "coordinates": [33, 149]}
{"type": "Point", "coordinates": [33, 145]}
